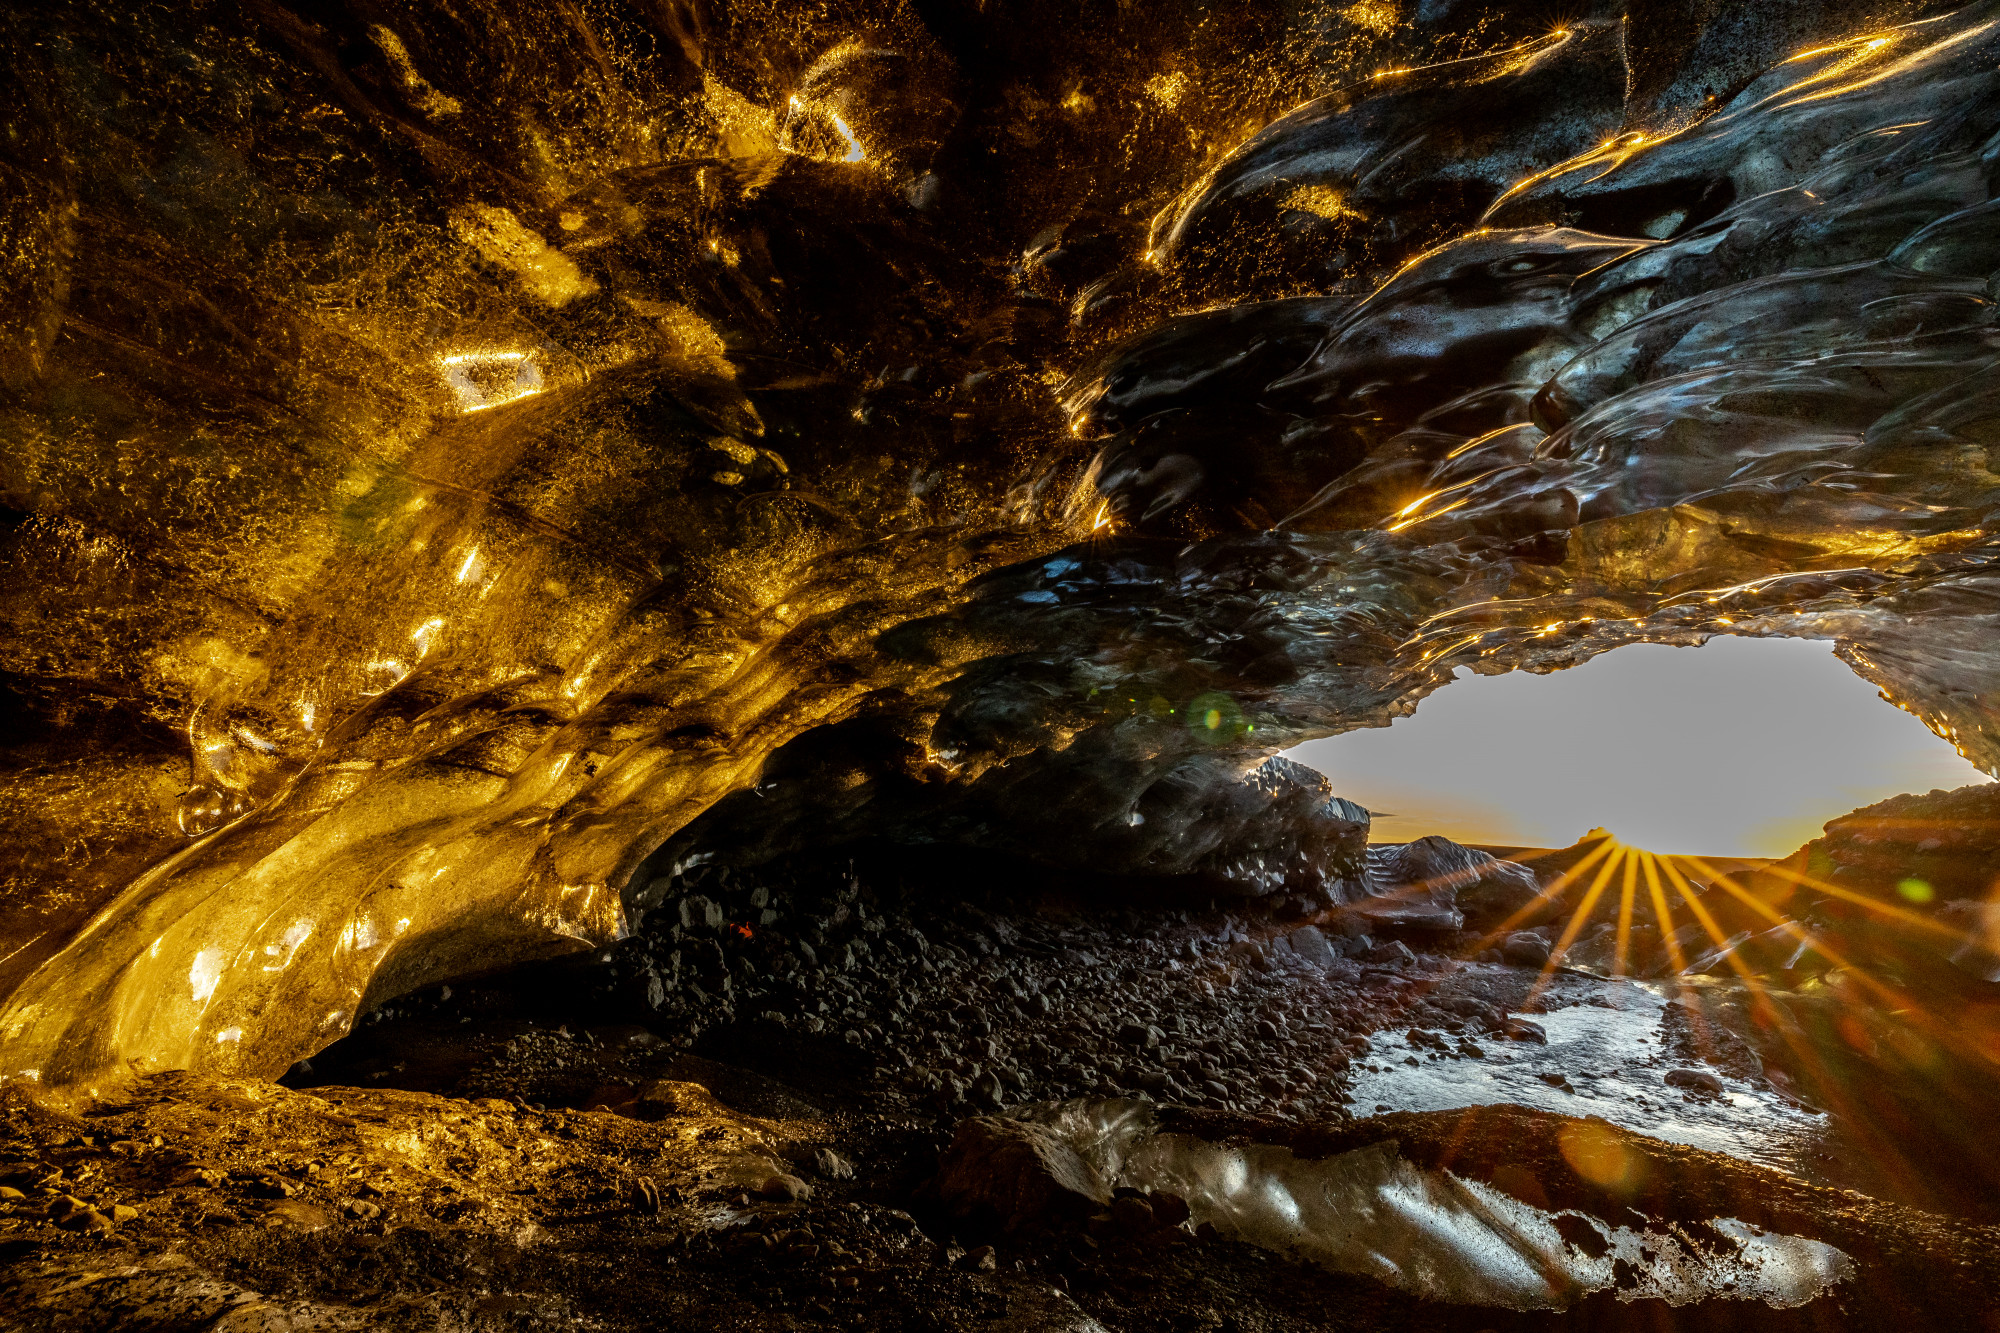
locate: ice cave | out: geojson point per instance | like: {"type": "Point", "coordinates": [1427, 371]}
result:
{"type": "Point", "coordinates": [661, 663]}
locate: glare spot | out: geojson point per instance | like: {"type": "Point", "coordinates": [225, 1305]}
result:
{"type": "Point", "coordinates": [484, 380]}
{"type": "Point", "coordinates": [800, 109]}
{"type": "Point", "coordinates": [205, 974]}
{"type": "Point", "coordinates": [384, 674]}
{"type": "Point", "coordinates": [287, 946]}
{"type": "Point", "coordinates": [1326, 202]}
{"type": "Point", "coordinates": [359, 935]}
{"type": "Point", "coordinates": [1168, 89]}
{"type": "Point", "coordinates": [854, 153]}
{"type": "Point", "coordinates": [1599, 1155]}
{"type": "Point", "coordinates": [254, 741]}
{"type": "Point", "coordinates": [1376, 16]}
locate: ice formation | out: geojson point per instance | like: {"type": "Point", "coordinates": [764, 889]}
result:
{"type": "Point", "coordinates": [1433, 1233]}
{"type": "Point", "coordinates": [438, 481]}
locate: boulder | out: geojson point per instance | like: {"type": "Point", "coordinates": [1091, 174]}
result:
{"type": "Point", "coordinates": [1016, 1175]}
{"type": "Point", "coordinates": [1311, 946]}
{"type": "Point", "coordinates": [1698, 1081]}
{"type": "Point", "coordinates": [1497, 890]}
{"type": "Point", "coordinates": [1441, 885]}
{"type": "Point", "coordinates": [1524, 948]}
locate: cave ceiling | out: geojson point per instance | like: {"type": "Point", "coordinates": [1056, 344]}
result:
{"type": "Point", "coordinates": [456, 452]}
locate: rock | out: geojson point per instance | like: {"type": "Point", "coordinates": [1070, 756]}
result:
{"type": "Point", "coordinates": [1132, 1215]}
{"type": "Point", "coordinates": [1169, 1210]}
{"type": "Point", "coordinates": [832, 1166]}
{"type": "Point", "coordinates": [747, 1244]}
{"type": "Point", "coordinates": [700, 913]}
{"type": "Point", "coordinates": [982, 1259]}
{"type": "Point", "coordinates": [1354, 945]}
{"type": "Point", "coordinates": [1555, 1080]}
{"type": "Point", "coordinates": [1514, 1028]}
{"type": "Point", "coordinates": [1697, 1081]}
{"type": "Point", "coordinates": [1140, 1036]}
{"type": "Point", "coordinates": [1392, 953]}
{"type": "Point", "coordinates": [1495, 891]}
{"type": "Point", "coordinates": [785, 1188]}
{"type": "Point", "coordinates": [1525, 949]}
{"type": "Point", "coordinates": [1978, 926]}
{"type": "Point", "coordinates": [296, 1212]}
{"type": "Point", "coordinates": [266, 1184]}
{"type": "Point", "coordinates": [1312, 947]}
{"type": "Point", "coordinates": [361, 1210]}
{"type": "Point", "coordinates": [645, 1195]}
{"type": "Point", "coordinates": [665, 1097]}
{"type": "Point", "coordinates": [987, 1091]}
{"type": "Point", "coordinates": [1437, 883]}
{"type": "Point", "coordinates": [1256, 953]}
{"type": "Point", "coordinates": [85, 1218]}
{"type": "Point", "coordinates": [1018, 1174]}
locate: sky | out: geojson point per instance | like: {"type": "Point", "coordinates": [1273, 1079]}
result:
{"type": "Point", "coordinates": [1742, 747]}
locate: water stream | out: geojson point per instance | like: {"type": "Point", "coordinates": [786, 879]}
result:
{"type": "Point", "coordinates": [1608, 1056]}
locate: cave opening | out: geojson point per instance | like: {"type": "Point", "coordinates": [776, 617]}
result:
{"type": "Point", "coordinates": [720, 664]}
{"type": "Point", "coordinates": [1743, 749]}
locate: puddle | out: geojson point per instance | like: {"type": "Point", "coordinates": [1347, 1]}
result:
{"type": "Point", "coordinates": [1613, 1053]}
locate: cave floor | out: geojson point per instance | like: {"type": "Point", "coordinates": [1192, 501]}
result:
{"type": "Point", "coordinates": [504, 1155]}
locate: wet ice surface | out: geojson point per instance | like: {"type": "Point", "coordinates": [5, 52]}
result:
{"type": "Point", "coordinates": [1372, 1212]}
{"type": "Point", "coordinates": [1613, 1052]}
